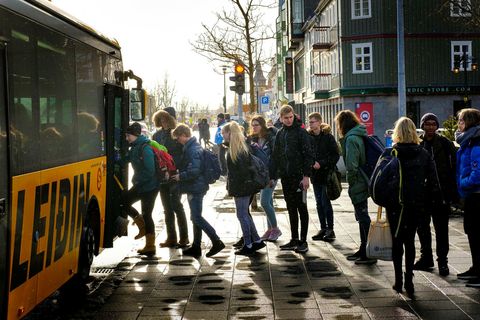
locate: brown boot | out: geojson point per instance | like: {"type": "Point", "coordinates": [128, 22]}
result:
{"type": "Point", "coordinates": [169, 243]}
{"type": "Point", "coordinates": [138, 220]}
{"type": "Point", "coordinates": [149, 248]}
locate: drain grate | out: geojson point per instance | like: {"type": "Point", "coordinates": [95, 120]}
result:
{"type": "Point", "coordinates": [101, 271]}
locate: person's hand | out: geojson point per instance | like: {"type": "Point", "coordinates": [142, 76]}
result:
{"type": "Point", "coordinates": [305, 183]}
{"type": "Point", "coordinates": [316, 166]}
{"type": "Point", "coordinates": [272, 183]}
{"type": "Point", "coordinates": [176, 177]}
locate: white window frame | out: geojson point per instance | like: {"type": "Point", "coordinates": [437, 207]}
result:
{"type": "Point", "coordinates": [363, 56]}
{"type": "Point", "coordinates": [460, 13]}
{"type": "Point", "coordinates": [454, 53]}
{"type": "Point", "coordinates": [361, 16]}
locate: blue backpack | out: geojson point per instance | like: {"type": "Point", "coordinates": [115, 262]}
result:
{"type": "Point", "coordinates": [211, 166]}
{"type": "Point", "coordinates": [374, 148]}
{"type": "Point", "coordinates": [385, 184]}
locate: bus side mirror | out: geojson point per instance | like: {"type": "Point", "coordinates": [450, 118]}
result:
{"type": "Point", "coordinates": [137, 104]}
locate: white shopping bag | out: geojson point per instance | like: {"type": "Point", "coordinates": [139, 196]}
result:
{"type": "Point", "coordinates": [379, 242]}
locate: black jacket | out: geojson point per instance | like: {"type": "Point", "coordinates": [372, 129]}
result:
{"type": "Point", "coordinates": [292, 153]}
{"type": "Point", "coordinates": [174, 148]}
{"type": "Point", "coordinates": [444, 155]}
{"type": "Point", "coordinates": [326, 153]}
{"type": "Point", "coordinates": [268, 145]}
{"type": "Point", "coordinates": [239, 175]}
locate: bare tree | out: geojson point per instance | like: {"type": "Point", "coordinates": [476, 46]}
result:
{"type": "Point", "coordinates": [183, 109]}
{"type": "Point", "coordinates": [468, 10]}
{"type": "Point", "coordinates": [164, 93]}
{"type": "Point", "coordinates": [238, 35]}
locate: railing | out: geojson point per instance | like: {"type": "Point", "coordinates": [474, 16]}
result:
{"type": "Point", "coordinates": [321, 82]}
{"type": "Point", "coordinates": [320, 37]}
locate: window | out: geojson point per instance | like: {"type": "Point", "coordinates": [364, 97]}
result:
{"type": "Point", "coordinates": [458, 48]}
{"type": "Point", "coordinates": [361, 9]}
{"type": "Point", "coordinates": [362, 57]}
{"type": "Point", "coordinates": [299, 74]}
{"type": "Point", "coordinates": [460, 8]}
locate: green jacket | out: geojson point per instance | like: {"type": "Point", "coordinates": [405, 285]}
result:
{"type": "Point", "coordinates": [353, 150]}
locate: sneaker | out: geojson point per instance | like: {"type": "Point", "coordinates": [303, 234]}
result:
{"type": "Point", "coordinates": [302, 247]}
{"type": "Point", "coordinates": [443, 270]}
{"type": "Point", "coordinates": [467, 275]}
{"type": "Point", "coordinates": [365, 260]}
{"type": "Point", "coordinates": [238, 244]}
{"type": "Point", "coordinates": [183, 243]}
{"type": "Point", "coordinates": [473, 283]}
{"type": "Point", "coordinates": [354, 256]}
{"type": "Point", "coordinates": [258, 245]}
{"type": "Point", "coordinates": [193, 251]}
{"type": "Point", "coordinates": [319, 235]}
{"type": "Point", "coordinates": [329, 235]}
{"type": "Point", "coordinates": [424, 264]}
{"type": "Point", "coordinates": [292, 245]}
{"type": "Point", "coordinates": [169, 243]}
{"type": "Point", "coordinates": [217, 246]}
{"type": "Point", "coordinates": [275, 234]}
{"type": "Point", "coordinates": [245, 251]}
{"type": "Point", "coordinates": [266, 235]}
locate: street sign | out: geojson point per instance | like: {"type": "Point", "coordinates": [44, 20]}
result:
{"type": "Point", "coordinates": [265, 100]}
{"type": "Point", "coordinates": [264, 103]}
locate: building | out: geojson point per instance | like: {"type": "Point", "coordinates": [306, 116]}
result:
{"type": "Point", "coordinates": [344, 56]}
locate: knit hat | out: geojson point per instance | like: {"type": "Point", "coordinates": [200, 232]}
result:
{"type": "Point", "coordinates": [220, 116]}
{"type": "Point", "coordinates": [427, 117]}
{"type": "Point", "coordinates": [171, 111]}
{"type": "Point", "coordinates": [134, 129]}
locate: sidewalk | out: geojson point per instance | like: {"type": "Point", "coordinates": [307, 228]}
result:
{"type": "Point", "coordinates": [276, 284]}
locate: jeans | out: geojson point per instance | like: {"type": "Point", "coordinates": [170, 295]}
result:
{"type": "Point", "coordinates": [266, 201]}
{"type": "Point", "coordinates": [172, 205]}
{"type": "Point", "coordinates": [324, 206]}
{"type": "Point", "coordinates": [363, 219]}
{"type": "Point", "coordinates": [195, 202]}
{"type": "Point", "coordinates": [131, 196]}
{"type": "Point", "coordinates": [439, 214]}
{"type": "Point", "coordinates": [296, 207]}
{"type": "Point", "coordinates": [249, 231]}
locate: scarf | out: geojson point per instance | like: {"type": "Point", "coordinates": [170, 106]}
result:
{"type": "Point", "coordinates": [464, 137]}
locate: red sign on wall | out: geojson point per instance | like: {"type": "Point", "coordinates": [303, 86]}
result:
{"type": "Point", "coordinates": [364, 112]}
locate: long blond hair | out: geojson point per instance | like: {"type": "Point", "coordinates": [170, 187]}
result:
{"type": "Point", "coordinates": [237, 144]}
{"type": "Point", "coordinates": [405, 131]}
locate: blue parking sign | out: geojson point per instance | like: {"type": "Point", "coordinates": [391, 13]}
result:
{"type": "Point", "coordinates": [265, 100]}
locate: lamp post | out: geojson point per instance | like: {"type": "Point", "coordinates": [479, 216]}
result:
{"type": "Point", "coordinates": [463, 61]}
{"type": "Point", "coordinates": [224, 69]}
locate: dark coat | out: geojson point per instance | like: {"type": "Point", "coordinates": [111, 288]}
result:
{"type": "Point", "coordinates": [239, 175]}
{"type": "Point", "coordinates": [444, 155]}
{"type": "Point", "coordinates": [326, 153]}
{"type": "Point", "coordinates": [204, 130]}
{"type": "Point", "coordinates": [468, 159]}
{"type": "Point", "coordinates": [418, 180]}
{"type": "Point", "coordinates": [191, 178]}
{"type": "Point", "coordinates": [142, 159]}
{"type": "Point", "coordinates": [292, 153]}
{"type": "Point", "coordinates": [174, 148]}
{"type": "Point", "coordinates": [268, 145]}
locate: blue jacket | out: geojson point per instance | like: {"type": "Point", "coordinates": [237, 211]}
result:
{"type": "Point", "coordinates": [142, 159]}
{"type": "Point", "coordinates": [468, 160]}
{"type": "Point", "coordinates": [191, 168]}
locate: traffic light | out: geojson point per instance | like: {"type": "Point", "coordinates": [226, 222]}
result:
{"type": "Point", "coordinates": [238, 79]}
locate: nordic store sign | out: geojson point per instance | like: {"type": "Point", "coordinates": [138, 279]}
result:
{"type": "Point", "coordinates": [444, 90]}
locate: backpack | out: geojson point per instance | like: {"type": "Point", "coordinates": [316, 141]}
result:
{"type": "Point", "coordinates": [373, 150]}
{"type": "Point", "coordinates": [260, 176]}
{"type": "Point", "coordinates": [385, 184]}
{"type": "Point", "coordinates": [211, 166]}
{"type": "Point", "coordinates": [259, 153]}
{"type": "Point", "coordinates": [164, 164]}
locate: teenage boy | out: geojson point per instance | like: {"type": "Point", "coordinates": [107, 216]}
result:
{"type": "Point", "coordinates": [194, 185]}
{"type": "Point", "coordinates": [292, 162]}
{"type": "Point", "coordinates": [444, 154]}
{"type": "Point", "coordinates": [326, 157]}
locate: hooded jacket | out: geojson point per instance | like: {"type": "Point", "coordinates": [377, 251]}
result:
{"type": "Point", "coordinates": [326, 153]}
{"type": "Point", "coordinates": [191, 167]}
{"type": "Point", "coordinates": [142, 160]}
{"type": "Point", "coordinates": [292, 153]}
{"type": "Point", "coordinates": [468, 159]}
{"type": "Point", "coordinates": [353, 150]}
{"type": "Point", "coordinates": [268, 145]}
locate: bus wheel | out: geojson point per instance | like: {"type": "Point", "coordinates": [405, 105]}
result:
{"type": "Point", "coordinates": [87, 252]}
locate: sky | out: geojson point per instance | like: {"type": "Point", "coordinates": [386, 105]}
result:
{"type": "Point", "coordinates": [154, 36]}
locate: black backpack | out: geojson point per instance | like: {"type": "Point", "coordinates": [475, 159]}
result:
{"type": "Point", "coordinates": [260, 175]}
{"type": "Point", "coordinates": [211, 166]}
{"type": "Point", "coordinates": [385, 185]}
{"type": "Point", "coordinates": [374, 148]}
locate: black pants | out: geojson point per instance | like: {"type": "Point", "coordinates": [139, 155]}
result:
{"type": "Point", "coordinates": [131, 196]}
{"type": "Point", "coordinates": [296, 207]}
{"type": "Point", "coordinates": [439, 213]}
{"type": "Point", "coordinates": [405, 239]}
{"type": "Point", "coordinates": [471, 222]}
{"type": "Point", "coordinates": [172, 206]}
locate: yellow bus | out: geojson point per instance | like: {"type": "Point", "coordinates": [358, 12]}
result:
{"type": "Point", "coordinates": [63, 110]}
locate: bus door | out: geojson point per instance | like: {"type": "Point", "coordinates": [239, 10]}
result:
{"type": "Point", "coordinates": [4, 252]}
{"type": "Point", "coordinates": [117, 173]}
